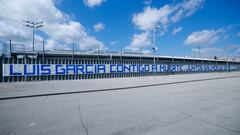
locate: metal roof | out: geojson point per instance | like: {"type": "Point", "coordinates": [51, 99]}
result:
{"type": "Point", "coordinates": [119, 54]}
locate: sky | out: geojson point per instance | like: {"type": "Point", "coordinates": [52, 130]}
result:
{"type": "Point", "coordinates": [182, 27]}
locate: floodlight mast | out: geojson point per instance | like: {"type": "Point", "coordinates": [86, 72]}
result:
{"type": "Point", "coordinates": [156, 27]}
{"type": "Point", "coordinates": [33, 25]}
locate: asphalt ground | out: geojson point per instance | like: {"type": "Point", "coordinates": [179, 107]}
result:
{"type": "Point", "coordinates": [202, 104]}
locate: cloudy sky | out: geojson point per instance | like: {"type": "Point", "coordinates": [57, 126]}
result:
{"type": "Point", "coordinates": [183, 25]}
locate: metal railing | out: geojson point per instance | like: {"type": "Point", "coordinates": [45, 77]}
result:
{"type": "Point", "coordinates": [47, 60]}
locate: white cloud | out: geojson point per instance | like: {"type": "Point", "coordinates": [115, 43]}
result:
{"type": "Point", "coordinates": [163, 17]}
{"type": "Point", "coordinates": [93, 3]}
{"type": "Point", "coordinates": [176, 30]}
{"type": "Point", "coordinates": [146, 52]}
{"type": "Point", "coordinates": [186, 8]}
{"type": "Point", "coordinates": [10, 31]}
{"type": "Point", "coordinates": [139, 41]}
{"type": "Point", "coordinates": [66, 32]}
{"type": "Point", "coordinates": [204, 37]}
{"type": "Point", "coordinates": [50, 44]}
{"type": "Point", "coordinates": [58, 26]}
{"type": "Point", "coordinates": [166, 14]}
{"type": "Point", "coordinates": [99, 27]}
{"type": "Point", "coordinates": [53, 44]}
{"type": "Point", "coordinates": [191, 6]}
{"type": "Point", "coordinates": [30, 10]}
{"type": "Point", "coordinates": [233, 49]}
{"type": "Point", "coordinates": [151, 16]}
{"type": "Point", "coordinates": [91, 43]}
{"type": "Point", "coordinates": [13, 14]}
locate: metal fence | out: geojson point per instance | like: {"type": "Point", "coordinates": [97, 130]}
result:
{"type": "Point", "coordinates": [26, 60]}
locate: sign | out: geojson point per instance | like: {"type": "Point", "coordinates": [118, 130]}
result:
{"type": "Point", "coordinates": [69, 69]}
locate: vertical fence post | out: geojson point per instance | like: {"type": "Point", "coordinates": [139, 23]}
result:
{"type": "Point", "coordinates": [43, 51]}
{"type": "Point", "coordinates": [1, 70]}
{"type": "Point", "coordinates": [10, 47]}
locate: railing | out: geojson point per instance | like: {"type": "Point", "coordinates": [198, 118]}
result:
{"type": "Point", "coordinates": [228, 66]}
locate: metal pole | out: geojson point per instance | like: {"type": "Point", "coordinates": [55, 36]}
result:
{"type": "Point", "coordinates": [154, 37]}
{"type": "Point", "coordinates": [3, 53]}
{"type": "Point", "coordinates": [184, 57]}
{"type": "Point", "coordinates": [33, 35]}
{"type": "Point", "coordinates": [33, 25]}
{"type": "Point", "coordinates": [10, 45]}
{"type": "Point", "coordinates": [98, 51]}
{"type": "Point", "coordinates": [227, 66]}
{"type": "Point", "coordinates": [154, 45]}
{"type": "Point", "coordinates": [140, 54]}
{"type": "Point", "coordinates": [111, 56]}
{"type": "Point", "coordinates": [43, 51]}
{"type": "Point", "coordinates": [121, 52]}
{"type": "Point", "coordinates": [154, 48]}
{"type": "Point", "coordinates": [154, 61]}
{"type": "Point", "coordinates": [73, 51]}
{"type": "Point", "coordinates": [199, 54]}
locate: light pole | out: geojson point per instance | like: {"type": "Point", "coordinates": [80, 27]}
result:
{"type": "Point", "coordinates": [156, 27]}
{"type": "Point", "coordinates": [154, 53]}
{"type": "Point", "coordinates": [73, 49]}
{"type": "Point", "coordinates": [33, 25]}
{"type": "Point", "coordinates": [141, 54]}
{"type": "Point", "coordinates": [199, 51]}
{"type": "Point", "coordinates": [154, 60]}
{"type": "Point", "coordinates": [43, 51]}
{"type": "Point", "coordinates": [227, 66]}
{"type": "Point", "coordinates": [121, 52]}
{"type": "Point", "coordinates": [98, 51]}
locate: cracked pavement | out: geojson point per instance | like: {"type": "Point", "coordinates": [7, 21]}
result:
{"type": "Point", "coordinates": [209, 107]}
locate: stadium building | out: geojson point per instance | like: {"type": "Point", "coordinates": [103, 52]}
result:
{"type": "Point", "coordinates": [17, 66]}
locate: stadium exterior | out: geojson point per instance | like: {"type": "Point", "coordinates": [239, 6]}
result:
{"type": "Point", "coordinates": [34, 66]}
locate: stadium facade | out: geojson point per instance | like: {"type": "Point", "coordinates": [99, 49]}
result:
{"type": "Point", "coordinates": [57, 65]}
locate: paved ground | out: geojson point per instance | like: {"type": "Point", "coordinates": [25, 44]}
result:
{"type": "Point", "coordinates": [210, 107]}
{"type": "Point", "coordinates": [49, 87]}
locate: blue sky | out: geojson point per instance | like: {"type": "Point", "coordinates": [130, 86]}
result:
{"type": "Point", "coordinates": [117, 17]}
{"type": "Point", "coordinates": [213, 25]}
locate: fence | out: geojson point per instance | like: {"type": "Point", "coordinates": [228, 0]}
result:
{"type": "Point", "coordinates": [5, 62]}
